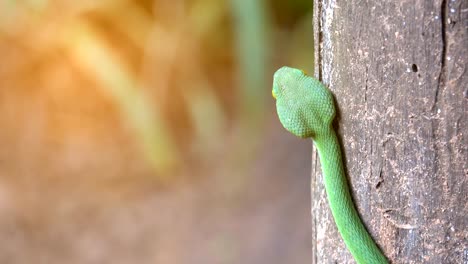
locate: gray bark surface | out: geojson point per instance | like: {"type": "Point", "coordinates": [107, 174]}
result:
{"type": "Point", "coordinates": [398, 73]}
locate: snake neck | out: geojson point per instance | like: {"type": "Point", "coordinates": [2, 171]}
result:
{"type": "Point", "coordinates": [357, 239]}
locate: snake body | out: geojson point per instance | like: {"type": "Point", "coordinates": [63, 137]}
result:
{"type": "Point", "coordinates": [306, 109]}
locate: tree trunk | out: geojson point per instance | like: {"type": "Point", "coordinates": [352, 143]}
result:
{"type": "Point", "coordinates": [398, 73]}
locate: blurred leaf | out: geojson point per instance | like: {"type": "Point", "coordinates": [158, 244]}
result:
{"type": "Point", "coordinates": [252, 28]}
{"type": "Point", "coordinates": [205, 16]}
{"type": "Point", "coordinates": [137, 23]}
{"type": "Point", "coordinates": [98, 61]}
{"type": "Point", "coordinates": [208, 119]}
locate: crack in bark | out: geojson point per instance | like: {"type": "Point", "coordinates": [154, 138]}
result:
{"type": "Point", "coordinates": [318, 42]}
{"type": "Point", "coordinates": [318, 39]}
{"type": "Point", "coordinates": [366, 87]}
{"type": "Point", "coordinates": [441, 77]}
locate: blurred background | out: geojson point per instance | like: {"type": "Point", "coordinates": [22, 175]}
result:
{"type": "Point", "coordinates": [145, 132]}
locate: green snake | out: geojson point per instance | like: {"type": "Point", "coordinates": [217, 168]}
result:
{"type": "Point", "coordinates": [305, 108]}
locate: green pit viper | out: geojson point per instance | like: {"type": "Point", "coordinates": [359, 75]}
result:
{"type": "Point", "coordinates": [306, 109]}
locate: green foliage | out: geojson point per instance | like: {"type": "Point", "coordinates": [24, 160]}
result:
{"type": "Point", "coordinates": [185, 76]}
{"type": "Point", "coordinates": [252, 30]}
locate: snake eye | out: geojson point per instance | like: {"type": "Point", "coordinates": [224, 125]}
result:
{"type": "Point", "coordinates": [273, 94]}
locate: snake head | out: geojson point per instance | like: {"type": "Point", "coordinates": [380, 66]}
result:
{"type": "Point", "coordinates": [305, 106]}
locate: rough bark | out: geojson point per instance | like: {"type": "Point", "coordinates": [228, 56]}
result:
{"type": "Point", "coordinates": [398, 72]}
